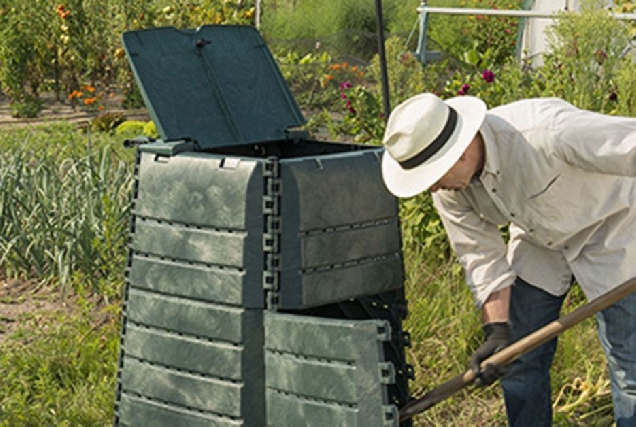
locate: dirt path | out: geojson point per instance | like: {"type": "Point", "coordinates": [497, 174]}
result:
{"type": "Point", "coordinates": [57, 111]}
{"type": "Point", "coordinates": [25, 303]}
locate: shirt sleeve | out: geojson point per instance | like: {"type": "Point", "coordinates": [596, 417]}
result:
{"type": "Point", "coordinates": [595, 142]}
{"type": "Point", "coordinates": [478, 244]}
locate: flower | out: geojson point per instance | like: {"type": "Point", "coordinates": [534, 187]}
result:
{"type": "Point", "coordinates": [600, 56]}
{"type": "Point", "coordinates": [464, 89]}
{"type": "Point", "coordinates": [62, 12]}
{"type": "Point", "coordinates": [488, 76]}
{"type": "Point", "coordinates": [350, 107]}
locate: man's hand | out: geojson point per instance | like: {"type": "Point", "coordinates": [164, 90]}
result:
{"type": "Point", "coordinates": [497, 336]}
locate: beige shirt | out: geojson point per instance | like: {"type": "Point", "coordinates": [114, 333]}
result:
{"type": "Point", "coordinates": [564, 179]}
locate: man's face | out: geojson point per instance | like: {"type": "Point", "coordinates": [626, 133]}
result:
{"type": "Point", "coordinates": [459, 175]}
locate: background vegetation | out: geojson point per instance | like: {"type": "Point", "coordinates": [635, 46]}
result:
{"type": "Point", "coordinates": [64, 189]}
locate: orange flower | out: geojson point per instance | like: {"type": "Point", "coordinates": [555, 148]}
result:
{"type": "Point", "coordinates": [88, 88]}
{"type": "Point", "coordinates": [89, 101]}
{"type": "Point", "coordinates": [62, 12]}
{"type": "Point", "coordinates": [334, 67]}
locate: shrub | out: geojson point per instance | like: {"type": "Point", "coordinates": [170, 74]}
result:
{"type": "Point", "coordinates": [130, 128]}
{"type": "Point", "coordinates": [26, 106]}
{"type": "Point", "coordinates": [151, 130]}
{"type": "Point", "coordinates": [106, 122]}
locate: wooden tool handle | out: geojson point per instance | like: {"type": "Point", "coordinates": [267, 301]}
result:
{"type": "Point", "coordinates": [518, 349]}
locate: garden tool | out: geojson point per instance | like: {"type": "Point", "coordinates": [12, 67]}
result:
{"type": "Point", "coordinates": [518, 349]}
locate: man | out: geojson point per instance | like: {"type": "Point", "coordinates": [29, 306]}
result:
{"type": "Point", "coordinates": [564, 179]}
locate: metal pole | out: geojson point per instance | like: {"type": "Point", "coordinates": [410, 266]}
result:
{"type": "Point", "coordinates": [516, 13]}
{"type": "Point", "coordinates": [257, 14]}
{"type": "Point", "coordinates": [381, 52]}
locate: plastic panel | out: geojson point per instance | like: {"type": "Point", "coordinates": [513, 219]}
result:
{"type": "Point", "coordinates": [341, 233]}
{"type": "Point", "coordinates": [334, 366]}
{"type": "Point", "coordinates": [198, 227]}
{"type": "Point", "coordinates": [218, 85]}
{"type": "Point", "coordinates": [136, 411]}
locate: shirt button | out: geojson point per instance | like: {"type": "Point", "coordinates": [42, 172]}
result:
{"type": "Point", "coordinates": [512, 214]}
{"type": "Point", "coordinates": [531, 230]}
{"type": "Point", "coordinates": [494, 190]}
{"type": "Point", "coordinates": [549, 243]}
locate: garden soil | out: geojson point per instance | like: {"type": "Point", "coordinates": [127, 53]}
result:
{"type": "Point", "coordinates": [58, 111]}
{"type": "Point", "coordinates": [27, 303]}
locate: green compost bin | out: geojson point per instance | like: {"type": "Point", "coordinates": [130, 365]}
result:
{"type": "Point", "coordinates": [246, 235]}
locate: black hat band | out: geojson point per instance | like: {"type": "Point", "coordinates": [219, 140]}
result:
{"type": "Point", "coordinates": [437, 144]}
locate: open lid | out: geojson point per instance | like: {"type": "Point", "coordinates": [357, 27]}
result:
{"type": "Point", "coordinates": [218, 85]}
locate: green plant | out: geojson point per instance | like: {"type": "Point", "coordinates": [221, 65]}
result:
{"type": "Point", "coordinates": [106, 122]}
{"type": "Point", "coordinates": [130, 128]}
{"type": "Point", "coordinates": [303, 74]}
{"type": "Point", "coordinates": [490, 37]}
{"type": "Point", "coordinates": [150, 129]}
{"type": "Point", "coordinates": [26, 106]}
{"type": "Point", "coordinates": [59, 207]}
{"type": "Point", "coordinates": [585, 53]}
{"type": "Point", "coordinates": [625, 82]}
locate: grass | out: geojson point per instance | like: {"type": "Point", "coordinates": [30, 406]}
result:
{"type": "Point", "coordinates": [60, 369]}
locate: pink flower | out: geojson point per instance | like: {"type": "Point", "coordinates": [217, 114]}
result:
{"type": "Point", "coordinates": [488, 76]}
{"type": "Point", "coordinates": [600, 56]}
{"type": "Point", "coordinates": [350, 107]}
{"type": "Point", "coordinates": [464, 89]}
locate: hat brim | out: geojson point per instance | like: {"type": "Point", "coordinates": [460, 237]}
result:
{"type": "Point", "coordinates": [410, 182]}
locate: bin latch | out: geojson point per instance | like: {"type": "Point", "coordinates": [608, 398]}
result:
{"type": "Point", "coordinates": [138, 140]}
{"type": "Point", "coordinates": [169, 148]}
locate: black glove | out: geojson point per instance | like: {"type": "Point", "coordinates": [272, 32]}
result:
{"type": "Point", "coordinates": [497, 336]}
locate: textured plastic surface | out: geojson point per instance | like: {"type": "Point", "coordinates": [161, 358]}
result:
{"type": "Point", "coordinates": [341, 234]}
{"type": "Point", "coordinates": [198, 226]}
{"type": "Point", "coordinates": [190, 358]}
{"type": "Point", "coordinates": [233, 216]}
{"type": "Point", "coordinates": [218, 85]}
{"type": "Point", "coordinates": [327, 371]}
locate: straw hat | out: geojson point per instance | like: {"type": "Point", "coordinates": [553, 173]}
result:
{"type": "Point", "coordinates": [425, 137]}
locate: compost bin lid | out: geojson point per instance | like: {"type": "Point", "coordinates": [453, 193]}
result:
{"type": "Point", "coordinates": [218, 85]}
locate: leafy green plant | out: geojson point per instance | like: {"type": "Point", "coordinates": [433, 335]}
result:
{"type": "Point", "coordinates": [305, 75]}
{"type": "Point", "coordinates": [26, 106]}
{"type": "Point", "coordinates": [492, 38]}
{"type": "Point", "coordinates": [63, 211]}
{"type": "Point", "coordinates": [585, 53]}
{"type": "Point", "coordinates": [106, 122]}
{"type": "Point", "coordinates": [130, 128]}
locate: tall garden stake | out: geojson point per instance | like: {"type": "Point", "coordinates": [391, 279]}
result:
{"type": "Point", "coordinates": [383, 71]}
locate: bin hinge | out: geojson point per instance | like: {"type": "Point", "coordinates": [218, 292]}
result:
{"type": "Point", "coordinates": [387, 373]}
{"type": "Point", "coordinates": [272, 231]}
{"type": "Point", "coordinates": [391, 415]}
{"type": "Point", "coordinates": [297, 135]}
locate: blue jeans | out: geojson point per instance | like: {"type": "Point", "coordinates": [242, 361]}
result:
{"type": "Point", "coordinates": [527, 385]}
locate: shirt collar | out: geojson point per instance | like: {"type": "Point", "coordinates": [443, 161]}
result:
{"type": "Point", "coordinates": [491, 165]}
